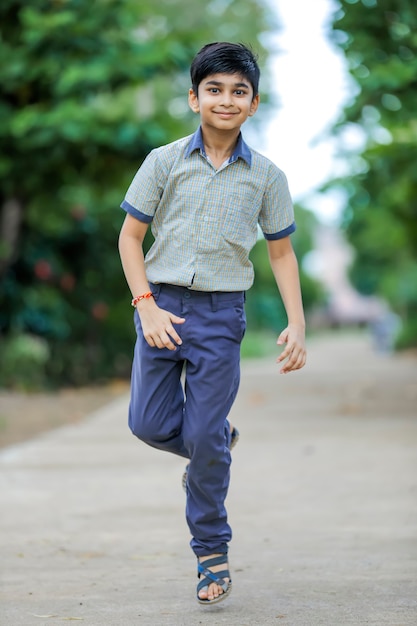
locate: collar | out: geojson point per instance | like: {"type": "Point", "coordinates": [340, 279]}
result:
{"type": "Point", "coordinates": [242, 150]}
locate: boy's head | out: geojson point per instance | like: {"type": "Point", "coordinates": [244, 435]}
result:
{"type": "Point", "coordinates": [225, 58]}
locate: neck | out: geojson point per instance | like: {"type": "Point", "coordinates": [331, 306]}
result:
{"type": "Point", "coordinates": [220, 144]}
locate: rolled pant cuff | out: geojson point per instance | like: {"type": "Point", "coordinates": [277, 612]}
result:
{"type": "Point", "coordinates": [200, 551]}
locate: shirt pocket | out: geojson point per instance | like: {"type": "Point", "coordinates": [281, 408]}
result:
{"type": "Point", "coordinates": [240, 218]}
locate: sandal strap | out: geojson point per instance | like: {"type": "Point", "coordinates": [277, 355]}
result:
{"type": "Point", "coordinates": [234, 437]}
{"type": "Point", "coordinates": [216, 560]}
{"type": "Point", "coordinates": [216, 577]}
{"type": "Point", "coordinates": [219, 580]}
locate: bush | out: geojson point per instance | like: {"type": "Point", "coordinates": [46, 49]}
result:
{"type": "Point", "coordinates": [23, 363]}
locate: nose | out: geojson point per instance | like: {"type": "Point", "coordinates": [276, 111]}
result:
{"type": "Point", "coordinates": [227, 100]}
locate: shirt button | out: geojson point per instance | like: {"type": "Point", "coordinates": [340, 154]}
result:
{"type": "Point", "coordinates": [205, 218]}
{"type": "Point", "coordinates": [187, 294]}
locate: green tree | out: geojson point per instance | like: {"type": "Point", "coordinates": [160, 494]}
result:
{"type": "Point", "coordinates": [87, 90]}
{"type": "Point", "coordinates": [264, 307]}
{"type": "Point", "coordinates": [379, 40]}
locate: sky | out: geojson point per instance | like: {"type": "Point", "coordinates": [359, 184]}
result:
{"type": "Point", "coordinates": [311, 84]}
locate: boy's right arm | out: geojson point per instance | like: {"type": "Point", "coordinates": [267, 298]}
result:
{"type": "Point", "coordinates": [157, 323]}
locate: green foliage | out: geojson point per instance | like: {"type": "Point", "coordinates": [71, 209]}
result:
{"type": "Point", "coordinates": [380, 43]}
{"type": "Point", "coordinates": [408, 334]}
{"type": "Point", "coordinates": [259, 343]}
{"type": "Point", "coordinates": [264, 307]}
{"type": "Point", "coordinates": [87, 90]}
{"type": "Point", "coordinates": [23, 363]}
{"type": "Point", "coordinates": [303, 243]}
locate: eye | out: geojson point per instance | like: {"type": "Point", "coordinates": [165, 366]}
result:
{"type": "Point", "coordinates": [214, 90]}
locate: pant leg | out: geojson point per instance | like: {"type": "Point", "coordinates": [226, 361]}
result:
{"type": "Point", "coordinates": [197, 429]}
{"type": "Point", "coordinates": [157, 399]}
{"type": "Point", "coordinates": [212, 351]}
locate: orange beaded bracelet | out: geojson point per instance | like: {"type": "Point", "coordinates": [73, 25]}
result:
{"type": "Point", "coordinates": [148, 294]}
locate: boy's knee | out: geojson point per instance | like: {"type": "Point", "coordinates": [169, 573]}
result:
{"type": "Point", "coordinates": [151, 430]}
{"type": "Point", "coordinates": [140, 433]}
{"type": "Point", "coordinates": [140, 428]}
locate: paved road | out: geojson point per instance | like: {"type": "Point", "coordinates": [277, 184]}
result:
{"type": "Point", "coordinates": [323, 505]}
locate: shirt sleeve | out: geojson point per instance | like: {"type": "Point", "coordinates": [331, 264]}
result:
{"type": "Point", "coordinates": [144, 193]}
{"type": "Point", "coordinates": [276, 218]}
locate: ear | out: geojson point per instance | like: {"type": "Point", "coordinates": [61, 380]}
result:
{"type": "Point", "coordinates": [193, 101]}
{"type": "Point", "coordinates": [254, 105]}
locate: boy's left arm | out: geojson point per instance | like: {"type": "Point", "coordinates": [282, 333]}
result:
{"type": "Point", "coordinates": [285, 269]}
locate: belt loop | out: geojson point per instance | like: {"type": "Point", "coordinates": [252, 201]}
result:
{"type": "Point", "coordinates": [214, 301]}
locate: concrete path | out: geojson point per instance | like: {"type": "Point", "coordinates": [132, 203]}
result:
{"type": "Point", "coordinates": [323, 505]}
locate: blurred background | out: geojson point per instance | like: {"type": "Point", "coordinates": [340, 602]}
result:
{"type": "Point", "coordinates": [88, 89]}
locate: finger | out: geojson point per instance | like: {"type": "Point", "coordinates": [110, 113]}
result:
{"type": "Point", "coordinates": [284, 354]}
{"type": "Point", "coordinates": [163, 338]}
{"type": "Point", "coordinates": [155, 339]}
{"type": "Point", "coordinates": [165, 341]}
{"type": "Point", "coordinates": [291, 354]}
{"type": "Point", "coordinates": [282, 339]}
{"type": "Point", "coordinates": [288, 367]}
{"type": "Point", "coordinates": [176, 320]}
{"type": "Point", "coordinates": [150, 341]}
{"type": "Point", "coordinates": [296, 362]}
{"type": "Point", "coordinates": [174, 335]}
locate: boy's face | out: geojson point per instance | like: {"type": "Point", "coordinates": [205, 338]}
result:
{"type": "Point", "coordinates": [224, 101]}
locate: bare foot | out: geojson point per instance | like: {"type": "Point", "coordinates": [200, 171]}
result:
{"type": "Point", "coordinates": [212, 591]}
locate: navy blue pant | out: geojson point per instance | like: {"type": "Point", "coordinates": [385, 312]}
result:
{"type": "Point", "coordinates": [188, 416]}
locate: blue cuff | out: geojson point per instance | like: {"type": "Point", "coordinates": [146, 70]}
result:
{"type": "Point", "coordinates": [281, 234]}
{"type": "Point", "coordinates": [142, 217]}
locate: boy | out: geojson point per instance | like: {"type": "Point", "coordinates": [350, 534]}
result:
{"type": "Point", "coordinates": [204, 195]}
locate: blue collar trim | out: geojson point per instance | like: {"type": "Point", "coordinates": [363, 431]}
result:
{"type": "Point", "coordinates": [242, 150]}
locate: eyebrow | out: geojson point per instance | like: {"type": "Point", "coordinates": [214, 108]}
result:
{"type": "Point", "coordinates": [217, 83]}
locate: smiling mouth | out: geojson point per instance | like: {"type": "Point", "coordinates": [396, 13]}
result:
{"type": "Point", "coordinates": [225, 113]}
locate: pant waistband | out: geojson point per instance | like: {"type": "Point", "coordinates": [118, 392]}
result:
{"type": "Point", "coordinates": [211, 297]}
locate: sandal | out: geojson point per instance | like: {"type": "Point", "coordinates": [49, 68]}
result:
{"type": "Point", "coordinates": [218, 578]}
{"type": "Point", "coordinates": [234, 438]}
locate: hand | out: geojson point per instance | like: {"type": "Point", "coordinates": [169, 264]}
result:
{"type": "Point", "coordinates": [295, 351]}
{"type": "Point", "coordinates": [157, 325]}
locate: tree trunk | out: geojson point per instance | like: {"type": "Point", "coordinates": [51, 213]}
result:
{"type": "Point", "coordinates": [10, 221]}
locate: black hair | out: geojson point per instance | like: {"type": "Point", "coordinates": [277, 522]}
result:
{"type": "Point", "coordinates": [225, 58]}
